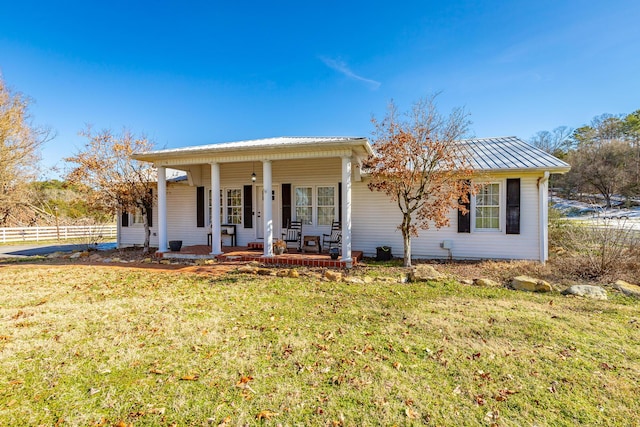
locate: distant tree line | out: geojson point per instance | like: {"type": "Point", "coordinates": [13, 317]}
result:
{"type": "Point", "coordinates": [604, 157]}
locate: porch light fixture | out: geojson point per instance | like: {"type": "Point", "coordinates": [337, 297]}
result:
{"type": "Point", "coordinates": [253, 174]}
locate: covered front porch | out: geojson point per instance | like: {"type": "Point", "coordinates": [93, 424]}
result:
{"type": "Point", "coordinates": [264, 186]}
{"type": "Point", "coordinates": [254, 252]}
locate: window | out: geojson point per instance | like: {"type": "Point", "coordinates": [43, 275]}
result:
{"type": "Point", "coordinates": [488, 207]}
{"type": "Point", "coordinates": [234, 206]}
{"type": "Point", "coordinates": [326, 205]}
{"type": "Point", "coordinates": [137, 217]}
{"type": "Point", "coordinates": [303, 203]}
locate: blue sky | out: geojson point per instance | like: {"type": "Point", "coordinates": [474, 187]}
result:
{"type": "Point", "coordinates": [189, 73]}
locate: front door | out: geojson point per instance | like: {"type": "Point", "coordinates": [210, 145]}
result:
{"type": "Point", "coordinates": [275, 212]}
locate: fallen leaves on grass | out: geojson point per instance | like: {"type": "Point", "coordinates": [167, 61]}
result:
{"type": "Point", "coordinates": [190, 377]}
{"type": "Point", "coordinates": [266, 415]}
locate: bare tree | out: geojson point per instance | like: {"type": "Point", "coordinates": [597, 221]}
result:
{"type": "Point", "coordinates": [120, 183]}
{"type": "Point", "coordinates": [419, 163]}
{"type": "Point", "coordinates": [20, 142]}
{"type": "Point", "coordinates": [555, 142]}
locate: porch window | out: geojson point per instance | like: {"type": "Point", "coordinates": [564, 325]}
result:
{"type": "Point", "coordinates": [326, 205]}
{"type": "Point", "coordinates": [488, 207]}
{"type": "Point", "coordinates": [303, 203]}
{"type": "Point", "coordinates": [234, 206]}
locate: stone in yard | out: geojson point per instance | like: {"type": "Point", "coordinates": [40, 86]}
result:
{"type": "Point", "coordinates": [629, 289]}
{"type": "Point", "coordinates": [282, 273]}
{"type": "Point", "coordinates": [354, 280]}
{"type": "Point", "coordinates": [75, 255]}
{"type": "Point", "coordinates": [147, 261]}
{"type": "Point", "coordinates": [265, 272]}
{"type": "Point", "coordinates": [162, 261]}
{"type": "Point", "coordinates": [248, 269]}
{"type": "Point", "coordinates": [487, 283]}
{"type": "Point", "coordinates": [55, 255]}
{"type": "Point", "coordinates": [530, 284]}
{"type": "Point", "coordinates": [424, 272]}
{"type": "Point", "coordinates": [466, 281]}
{"type": "Point", "coordinates": [368, 280]}
{"type": "Point", "coordinates": [589, 291]}
{"type": "Point", "coordinates": [334, 276]}
{"type": "Point", "coordinates": [204, 261]}
{"type": "Point", "coordinates": [294, 274]}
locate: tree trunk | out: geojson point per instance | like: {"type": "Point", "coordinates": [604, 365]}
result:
{"type": "Point", "coordinates": [406, 237]}
{"type": "Point", "coordinates": [147, 231]}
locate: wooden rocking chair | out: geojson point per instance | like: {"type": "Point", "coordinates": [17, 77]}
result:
{"type": "Point", "coordinates": [293, 234]}
{"type": "Point", "coordinates": [334, 238]}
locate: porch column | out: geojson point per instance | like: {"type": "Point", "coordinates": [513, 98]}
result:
{"type": "Point", "coordinates": [162, 209]}
{"type": "Point", "coordinates": [268, 214]}
{"type": "Point", "coordinates": [346, 211]}
{"type": "Point", "coordinates": [216, 244]}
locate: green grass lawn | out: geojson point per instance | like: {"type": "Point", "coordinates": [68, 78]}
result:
{"type": "Point", "coordinates": [86, 345]}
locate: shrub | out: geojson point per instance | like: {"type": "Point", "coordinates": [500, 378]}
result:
{"type": "Point", "coordinates": [594, 248]}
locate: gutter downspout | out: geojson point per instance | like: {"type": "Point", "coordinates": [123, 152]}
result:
{"type": "Point", "coordinates": [543, 198]}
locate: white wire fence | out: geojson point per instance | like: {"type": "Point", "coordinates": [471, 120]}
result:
{"type": "Point", "coordinates": [90, 233]}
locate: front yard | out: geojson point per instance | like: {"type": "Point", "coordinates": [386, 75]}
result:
{"type": "Point", "coordinates": [102, 345]}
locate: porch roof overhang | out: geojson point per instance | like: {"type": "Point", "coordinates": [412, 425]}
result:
{"type": "Point", "coordinates": [281, 148]}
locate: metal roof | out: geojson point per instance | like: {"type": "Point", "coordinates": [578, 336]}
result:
{"type": "Point", "coordinates": [282, 142]}
{"type": "Point", "coordinates": [510, 153]}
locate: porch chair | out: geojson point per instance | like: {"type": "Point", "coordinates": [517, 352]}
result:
{"type": "Point", "coordinates": [293, 234]}
{"type": "Point", "coordinates": [334, 238]}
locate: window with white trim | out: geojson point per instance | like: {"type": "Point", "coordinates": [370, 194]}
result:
{"type": "Point", "coordinates": [487, 208]}
{"type": "Point", "coordinates": [304, 204]}
{"type": "Point", "coordinates": [137, 216]}
{"type": "Point", "coordinates": [234, 206]}
{"type": "Point", "coordinates": [326, 205]}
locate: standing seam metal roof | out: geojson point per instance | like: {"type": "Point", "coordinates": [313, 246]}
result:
{"type": "Point", "coordinates": [509, 152]}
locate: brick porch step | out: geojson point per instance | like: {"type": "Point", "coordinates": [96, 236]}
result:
{"type": "Point", "coordinates": [256, 245]}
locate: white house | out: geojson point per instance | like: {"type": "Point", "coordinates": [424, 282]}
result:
{"type": "Point", "coordinates": [262, 184]}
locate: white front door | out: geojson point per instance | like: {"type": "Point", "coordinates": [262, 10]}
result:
{"type": "Point", "coordinates": [274, 209]}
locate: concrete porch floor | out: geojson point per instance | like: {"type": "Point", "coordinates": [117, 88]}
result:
{"type": "Point", "coordinates": [244, 253]}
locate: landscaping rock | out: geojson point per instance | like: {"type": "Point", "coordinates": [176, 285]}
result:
{"type": "Point", "coordinates": [282, 273]}
{"type": "Point", "coordinates": [248, 269]}
{"type": "Point", "coordinates": [487, 283]}
{"type": "Point", "coordinates": [368, 280]}
{"type": "Point", "coordinates": [530, 284]}
{"type": "Point", "coordinates": [162, 261]}
{"type": "Point", "coordinates": [629, 289]}
{"type": "Point", "coordinates": [353, 280]}
{"type": "Point", "coordinates": [56, 255]}
{"type": "Point", "coordinates": [466, 281]}
{"type": "Point", "coordinates": [589, 291]}
{"type": "Point", "coordinates": [204, 261]}
{"type": "Point", "coordinates": [147, 261]}
{"type": "Point", "coordinates": [265, 272]}
{"type": "Point", "coordinates": [75, 255]}
{"type": "Point", "coordinates": [424, 272]}
{"type": "Point", "coordinates": [334, 276]}
{"type": "Point", "coordinates": [294, 274]}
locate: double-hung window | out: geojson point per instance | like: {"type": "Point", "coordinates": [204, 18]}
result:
{"type": "Point", "coordinates": [326, 205]}
{"type": "Point", "coordinates": [304, 204]}
{"type": "Point", "coordinates": [488, 207]}
{"type": "Point", "coordinates": [234, 206]}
